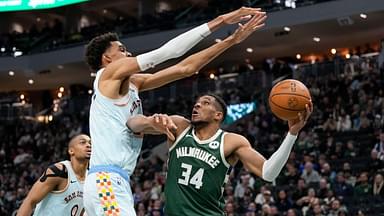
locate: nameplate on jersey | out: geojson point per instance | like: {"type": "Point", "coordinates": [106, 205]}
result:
{"type": "Point", "coordinates": [199, 154]}
{"type": "Point", "coordinates": [73, 195]}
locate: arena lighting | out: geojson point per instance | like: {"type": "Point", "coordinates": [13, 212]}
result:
{"type": "Point", "coordinates": [55, 109]}
{"type": "Point", "coordinates": [30, 81]}
{"type": "Point", "coordinates": [61, 89]}
{"type": "Point", "coordinates": [250, 50]}
{"type": "Point", "coordinates": [2, 49]}
{"type": "Point", "coordinates": [11, 73]}
{"type": "Point", "coordinates": [316, 39]}
{"type": "Point", "coordinates": [38, 19]}
{"type": "Point", "coordinates": [61, 67]}
{"type": "Point", "coordinates": [333, 51]}
{"type": "Point", "coordinates": [212, 76]}
{"type": "Point", "coordinates": [347, 56]}
{"type": "Point", "coordinates": [59, 95]}
{"type": "Point", "coordinates": [23, 102]}
{"type": "Point", "coordinates": [287, 29]}
{"type": "Point", "coordinates": [105, 11]}
{"type": "Point", "coordinates": [298, 56]}
{"type": "Point", "coordinates": [22, 96]}
{"type": "Point", "coordinates": [50, 118]}
{"type": "Point", "coordinates": [90, 91]}
{"type": "Point", "coordinates": [363, 16]}
{"type": "Point", "coordinates": [13, 49]}
{"type": "Point", "coordinates": [40, 118]}
{"type": "Point", "coordinates": [17, 53]}
{"type": "Point", "coordinates": [22, 5]}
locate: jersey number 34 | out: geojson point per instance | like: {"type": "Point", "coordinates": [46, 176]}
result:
{"type": "Point", "coordinates": [186, 179]}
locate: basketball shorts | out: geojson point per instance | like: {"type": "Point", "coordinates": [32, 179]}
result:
{"type": "Point", "coordinates": [107, 192]}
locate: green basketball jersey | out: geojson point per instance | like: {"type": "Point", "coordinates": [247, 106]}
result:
{"type": "Point", "coordinates": [197, 173]}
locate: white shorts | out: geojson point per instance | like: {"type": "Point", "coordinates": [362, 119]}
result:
{"type": "Point", "coordinates": [108, 194]}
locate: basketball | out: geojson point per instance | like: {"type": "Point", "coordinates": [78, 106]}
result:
{"type": "Point", "coordinates": [288, 98]}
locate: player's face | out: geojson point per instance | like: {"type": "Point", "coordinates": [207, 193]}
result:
{"type": "Point", "coordinates": [82, 147]}
{"type": "Point", "coordinates": [116, 51]}
{"type": "Point", "coordinates": [205, 111]}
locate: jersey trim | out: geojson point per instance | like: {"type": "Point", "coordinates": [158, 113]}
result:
{"type": "Point", "coordinates": [185, 131]}
{"type": "Point", "coordinates": [207, 140]}
{"type": "Point", "coordinates": [225, 162]}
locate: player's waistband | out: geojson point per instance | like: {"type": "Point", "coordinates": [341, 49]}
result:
{"type": "Point", "coordinates": [109, 168]}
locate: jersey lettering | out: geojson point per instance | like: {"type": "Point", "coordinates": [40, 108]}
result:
{"type": "Point", "coordinates": [197, 153]}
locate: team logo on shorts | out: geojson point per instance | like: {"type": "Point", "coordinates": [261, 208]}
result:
{"type": "Point", "coordinates": [214, 145]}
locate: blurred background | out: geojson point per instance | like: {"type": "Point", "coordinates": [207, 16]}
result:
{"type": "Point", "coordinates": [335, 47]}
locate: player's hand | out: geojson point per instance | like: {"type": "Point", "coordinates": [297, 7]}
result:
{"type": "Point", "coordinates": [241, 14]}
{"type": "Point", "coordinates": [164, 124]}
{"type": "Point", "coordinates": [243, 31]}
{"type": "Point", "coordinates": [296, 125]}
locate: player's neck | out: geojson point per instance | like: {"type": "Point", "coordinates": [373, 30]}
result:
{"type": "Point", "coordinates": [79, 167]}
{"type": "Point", "coordinates": [205, 132]}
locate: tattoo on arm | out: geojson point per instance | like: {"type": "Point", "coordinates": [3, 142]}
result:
{"type": "Point", "coordinates": [63, 173]}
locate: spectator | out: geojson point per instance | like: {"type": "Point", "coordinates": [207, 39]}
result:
{"type": "Point", "coordinates": [283, 202]}
{"type": "Point", "coordinates": [374, 163]}
{"type": "Point", "coordinates": [379, 146]}
{"type": "Point", "coordinates": [378, 185]}
{"type": "Point", "coordinates": [341, 188]}
{"type": "Point", "coordinates": [363, 187]}
{"type": "Point", "coordinates": [336, 208]}
{"type": "Point", "coordinates": [323, 188]}
{"type": "Point", "coordinates": [309, 174]}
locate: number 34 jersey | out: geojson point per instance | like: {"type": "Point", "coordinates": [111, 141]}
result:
{"type": "Point", "coordinates": [197, 173]}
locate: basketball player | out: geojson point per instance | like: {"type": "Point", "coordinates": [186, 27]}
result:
{"type": "Point", "coordinates": [59, 191]}
{"type": "Point", "coordinates": [201, 154]}
{"type": "Point", "coordinates": [115, 148]}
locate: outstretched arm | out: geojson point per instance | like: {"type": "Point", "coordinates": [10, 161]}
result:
{"type": "Point", "coordinates": [195, 62]}
{"type": "Point", "coordinates": [176, 47]}
{"type": "Point", "coordinates": [171, 126]}
{"type": "Point", "coordinates": [47, 183]}
{"type": "Point", "coordinates": [270, 169]}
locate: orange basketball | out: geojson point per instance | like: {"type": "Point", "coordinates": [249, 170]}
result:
{"type": "Point", "coordinates": [288, 98]}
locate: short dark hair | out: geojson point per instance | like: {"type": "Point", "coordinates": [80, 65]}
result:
{"type": "Point", "coordinates": [221, 103]}
{"type": "Point", "coordinates": [96, 47]}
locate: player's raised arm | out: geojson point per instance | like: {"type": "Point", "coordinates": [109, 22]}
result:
{"type": "Point", "coordinates": [195, 62]}
{"type": "Point", "coordinates": [256, 163]}
{"type": "Point", "coordinates": [47, 183]}
{"type": "Point", "coordinates": [124, 67]}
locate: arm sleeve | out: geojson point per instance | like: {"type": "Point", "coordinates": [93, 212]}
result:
{"type": "Point", "coordinates": [173, 48]}
{"type": "Point", "coordinates": [273, 166]}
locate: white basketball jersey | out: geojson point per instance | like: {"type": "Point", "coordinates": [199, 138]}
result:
{"type": "Point", "coordinates": [112, 142]}
{"type": "Point", "coordinates": [68, 202]}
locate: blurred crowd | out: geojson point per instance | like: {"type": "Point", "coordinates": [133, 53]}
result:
{"type": "Point", "coordinates": [336, 167]}
{"type": "Point", "coordinates": [55, 33]}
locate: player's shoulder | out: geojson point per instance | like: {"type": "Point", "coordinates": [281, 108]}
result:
{"type": "Point", "coordinates": [54, 174]}
{"type": "Point", "coordinates": [181, 122]}
{"type": "Point", "coordinates": [58, 168]}
{"type": "Point", "coordinates": [235, 139]}
{"type": "Point", "coordinates": [180, 119]}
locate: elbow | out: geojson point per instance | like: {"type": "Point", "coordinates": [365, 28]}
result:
{"type": "Point", "coordinates": [132, 126]}
{"type": "Point", "coordinates": [268, 174]}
